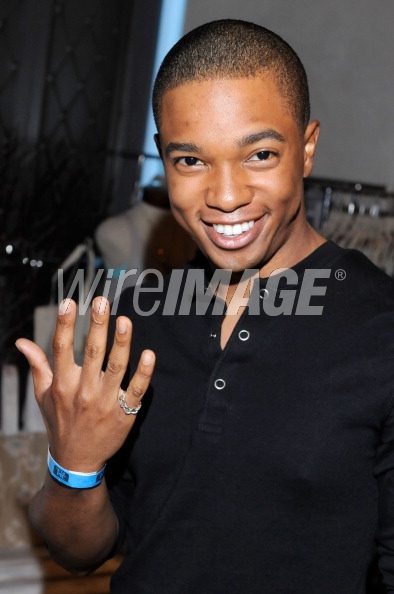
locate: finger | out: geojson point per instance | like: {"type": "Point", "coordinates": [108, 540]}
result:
{"type": "Point", "coordinates": [118, 357]}
{"type": "Point", "coordinates": [63, 338]}
{"type": "Point", "coordinates": [141, 379]}
{"type": "Point", "coordinates": [96, 340]}
{"type": "Point", "coordinates": [39, 364]}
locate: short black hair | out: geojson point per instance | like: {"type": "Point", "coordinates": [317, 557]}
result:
{"type": "Point", "coordinates": [230, 48]}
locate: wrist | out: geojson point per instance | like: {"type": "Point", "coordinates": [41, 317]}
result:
{"type": "Point", "coordinates": [72, 478]}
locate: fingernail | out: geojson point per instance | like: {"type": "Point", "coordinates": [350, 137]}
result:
{"type": "Point", "coordinates": [64, 306]}
{"type": "Point", "coordinates": [121, 326]}
{"type": "Point", "coordinates": [147, 357]}
{"type": "Point", "coordinates": [99, 305]}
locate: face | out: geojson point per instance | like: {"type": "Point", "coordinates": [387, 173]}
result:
{"type": "Point", "coordinates": [235, 160]}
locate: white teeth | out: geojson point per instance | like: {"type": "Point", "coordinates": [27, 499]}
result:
{"type": "Point", "coordinates": [233, 230]}
{"type": "Point", "coordinates": [237, 229]}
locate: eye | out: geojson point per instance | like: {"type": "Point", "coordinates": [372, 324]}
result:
{"type": "Point", "coordinates": [262, 156]}
{"type": "Point", "coordinates": [188, 161]}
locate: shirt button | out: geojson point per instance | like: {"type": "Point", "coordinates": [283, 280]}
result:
{"type": "Point", "coordinates": [212, 335]}
{"type": "Point", "coordinates": [243, 335]}
{"type": "Point", "coordinates": [219, 384]}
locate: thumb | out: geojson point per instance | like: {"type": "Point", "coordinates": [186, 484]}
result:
{"type": "Point", "coordinates": [39, 364]}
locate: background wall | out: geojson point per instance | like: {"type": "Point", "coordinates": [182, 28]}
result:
{"type": "Point", "coordinates": [347, 47]}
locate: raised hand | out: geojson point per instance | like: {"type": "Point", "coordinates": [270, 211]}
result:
{"type": "Point", "coordinates": [81, 406]}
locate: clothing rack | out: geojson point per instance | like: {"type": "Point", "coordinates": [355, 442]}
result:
{"type": "Point", "coordinates": [354, 215]}
{"type": "Point", "coordinates": [323, 194]}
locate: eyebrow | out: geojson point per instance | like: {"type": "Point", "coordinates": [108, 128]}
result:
{"type": "Point", "coordinates": [182, 147]}
{"type": "Point", "coordinates": [263, 135]}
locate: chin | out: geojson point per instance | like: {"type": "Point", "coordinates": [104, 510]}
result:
{"type": "Point", "coordinates": [235, 265]}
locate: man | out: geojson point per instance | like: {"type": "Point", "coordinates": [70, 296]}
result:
{"type": "Point", "coordinates": [262, 457]}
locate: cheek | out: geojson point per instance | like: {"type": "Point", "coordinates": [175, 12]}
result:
{"type": "Point", "coordinates": [181, 209]}
{"type": "Point", "coordinates": [279, 193]}
{"type": "Point", "coordinates": [183, 197]}
{"type": "Point", "coordinates": [290, 188]}
{"type": "Point", "coordinates": [180, 201]}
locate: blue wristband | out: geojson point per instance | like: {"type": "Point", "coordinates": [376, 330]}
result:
{"type": "Point", "coordinates": [75, 480]}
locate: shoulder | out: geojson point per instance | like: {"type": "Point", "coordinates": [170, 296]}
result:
{"type": "Point", "coordinates": [359, 303]}
{"type": "Point", "coordinates": [360, 275]}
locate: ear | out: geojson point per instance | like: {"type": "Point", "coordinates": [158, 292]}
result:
{"type": "Point", "coordinates": [310, 141]}
{"type": "Point", "coordinates": [156, 138]}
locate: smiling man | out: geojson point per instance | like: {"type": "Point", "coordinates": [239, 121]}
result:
{"type": "Point", "coordinates": [258, 457]}
{"type": "Point", "coordinates": [238, 187]}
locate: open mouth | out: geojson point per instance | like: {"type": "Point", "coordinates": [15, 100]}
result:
{"type": "Point", "coordinates": [233, 230]}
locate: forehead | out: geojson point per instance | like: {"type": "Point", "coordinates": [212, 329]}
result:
{"type": "Point", "coordinates": [219, 105]}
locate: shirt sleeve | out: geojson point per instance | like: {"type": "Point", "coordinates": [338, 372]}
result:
{"type": "Point", "coordinates": [120, 486]}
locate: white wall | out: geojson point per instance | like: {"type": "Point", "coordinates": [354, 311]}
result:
{"type": "Point", "coordinates": [347, 47]}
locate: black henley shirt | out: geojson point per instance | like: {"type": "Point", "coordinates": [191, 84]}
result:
{"type": "Point", "coordinates": [266, 467]}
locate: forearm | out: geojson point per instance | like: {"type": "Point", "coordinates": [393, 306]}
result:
{"type": "Point", "coordinates": [79, 526]}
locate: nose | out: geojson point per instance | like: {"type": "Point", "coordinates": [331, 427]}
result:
{"type": "Point", "coordinates": [228, 189]}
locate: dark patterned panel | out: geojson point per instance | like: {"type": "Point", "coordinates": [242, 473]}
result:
{"type": "Point", "coordinates": [61, 73]}
{"type": "Point", "coordinates": [9, 62]}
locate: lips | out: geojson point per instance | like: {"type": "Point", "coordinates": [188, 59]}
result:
{"type": "Point", "coordinates": [233, 230]}
{"type": "Point", "coordinates": [227, 236]}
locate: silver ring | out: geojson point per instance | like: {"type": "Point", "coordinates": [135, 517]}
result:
{"type": "Point", "coordinates": [128, 410]}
